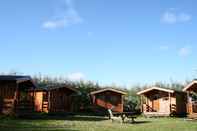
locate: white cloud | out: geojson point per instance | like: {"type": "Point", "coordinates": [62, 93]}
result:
{"type": "Point", "coordinates": [54, 24]}
{"type": "Point", "coordinates": [169, 18]}
{"type": "Point", "coordinates": [184, 17]}
{"type": "Point", "coordinates": [66, 17]}
{"type": "Point", "coordinates": [172, 16]}
{"type": "Point", "coordinates": [164, 47]}
{"type": "Point", "coordinates": [76, 76]}
{"type": "Point", "coordinates": [185, 51]}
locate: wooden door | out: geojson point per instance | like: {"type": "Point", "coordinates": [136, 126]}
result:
{"type": "Point", "coordinates": [155, 105]}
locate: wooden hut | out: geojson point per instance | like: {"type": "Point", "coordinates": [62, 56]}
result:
{"type": "Point", "coordinates": [108, 98]}
{"type": "Point", "coordinates": [157, 101]}
{"type": "Point", "coordinates": [14, 96]}
{"type": "Point", "coordinates": [191, 90]}
{"type": "Point", "coordinates": [56, 98]}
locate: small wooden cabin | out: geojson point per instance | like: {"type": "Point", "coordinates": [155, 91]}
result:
{"type": "Point", "coordinates": [157, 101]}
{"type": "Point", "coordinates": [14, 96]}
{"type": "Point", "coordinates": [191, 90]}
{"type": "Point", "coordinates": [108, 98]}
{"type": "Point", "coordinates": [57, 98]}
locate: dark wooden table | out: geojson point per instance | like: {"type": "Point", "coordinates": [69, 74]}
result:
{"type": "Point", "coordinates": [129, 115]}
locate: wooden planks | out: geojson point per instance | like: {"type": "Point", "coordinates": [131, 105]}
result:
{"type": "Point", "coordinates": [7, 91]}
{"type": "Point", "coordinates": [59, 100]}
{"type": "Point", "coordinates": [8, 106]}
{"type": "Point", "coordinates": [45, 106]}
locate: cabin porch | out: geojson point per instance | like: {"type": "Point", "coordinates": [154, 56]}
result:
{"type": "Point", "coordinates": [157, 105]}
{"type": "Point", "coordinates": [192, 104]}
{"type": "Point", "coordinates": [157, 102]}
{"type": "Point", "coordinates": [191, 90]}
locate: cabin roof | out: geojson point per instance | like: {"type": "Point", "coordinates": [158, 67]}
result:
{"type": "Point", "coordinates": [190, 85]}
{"type": "Point", "coordinates": [52, 87]}
{"type": "Point", "coordinates": [17, 78]}
{"type": "Point", "coordinates": [155, 88]}
{"type": "Point", "coordinates": [108, 89]}
{"type": "Point", "coordinates": [14, 77]}
{"type": "Point", "coordinates": [57, 86]}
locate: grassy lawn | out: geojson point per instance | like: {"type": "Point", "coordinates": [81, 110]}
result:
{"type": "Point", "coordinates": [84, 123]}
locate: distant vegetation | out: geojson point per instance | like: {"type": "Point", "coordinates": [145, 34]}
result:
{"type": "Point", "coordinates": [132, 101]}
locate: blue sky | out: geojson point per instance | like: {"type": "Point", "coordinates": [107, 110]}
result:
{"type": "Point", "coordinates": [108, 41]}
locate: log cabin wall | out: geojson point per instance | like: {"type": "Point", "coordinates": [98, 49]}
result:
{"type": "Point", "coordinates": [109, 99]}
{"type": "Point", "coordinates": [54, 100]}
{"type": "Point", "coordinates": [7, 97]}
{"type": "Point", "coordinates": [14, 95]}
{"type": "Point", "coordinates": [60, 100]}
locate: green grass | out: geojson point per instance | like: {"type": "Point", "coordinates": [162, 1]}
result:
{"type": "Point", "coordinates": [85, 123]}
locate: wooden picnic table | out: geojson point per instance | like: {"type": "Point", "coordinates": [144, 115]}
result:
{"type": "Point", "coordinates": [129, 115]}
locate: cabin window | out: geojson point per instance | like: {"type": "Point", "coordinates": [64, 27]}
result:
{"type": "Point", "coordinates": [101, 97]}
{"type": "Point", "coordinates": [114, 99]}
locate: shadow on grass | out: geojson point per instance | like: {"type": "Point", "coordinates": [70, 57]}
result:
{"type": "Point", "coordinates": [141, 122]}
{"type": "Point", "coordinates": [35, 129]}
{"type": "Point", "coordinates": [29, 125]}
{"type": "Point", "coordinates": [41, 124]}
{"type": "Point", "coordinates": [86, 118]}
{"type": "Point", "coordinates": [70, 117]}
{"type": "Point", "coordinates": [138, 122]}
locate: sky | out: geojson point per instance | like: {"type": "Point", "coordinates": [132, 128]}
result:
{"type": "Point", "coordinates": [107, 41]}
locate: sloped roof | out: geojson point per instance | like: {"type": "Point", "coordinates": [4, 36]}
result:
{"type": "Point", "coordinates": [190, 85]}
{"type": "Point", "coordinates": [108, 89]}
{"type": "Point", "coordinates": [14, 77]}
{"type": "Point", "coordinates": [17, 78]}
{"type": "Point", "coordinates": [155, 88]}
{"type": "Point", "coordinates": [57, 86]}
{"type": "Point", "coordinates": [52, 87]}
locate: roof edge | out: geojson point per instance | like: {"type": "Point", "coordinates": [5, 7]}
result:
{"type": "Point", "coordinates": [189, 85]}
{"type": "Point", "coordinates": [108, 89]}
{"type": "Point", "coordinates": [155, 88]}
